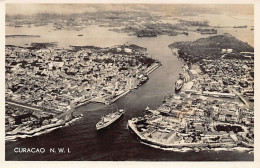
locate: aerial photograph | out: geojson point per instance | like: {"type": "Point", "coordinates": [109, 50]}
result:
{"type": "Point", "coordinates": [129, 82]}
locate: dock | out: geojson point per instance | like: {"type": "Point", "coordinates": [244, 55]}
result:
{"type": "Point", "coordinates": [152, 68]}
{"type": "Point", "coordinates": [119, 96]}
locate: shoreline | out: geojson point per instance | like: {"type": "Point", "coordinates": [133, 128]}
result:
{"type": "Point", "coordinates": [11, 136]}
{"type": "Point", "coordinates": [146, 138]}
{"type": "Point", "coordinates": [152, 68]}
{"type": "Point", "coordinates": [119, 96]}
{"type": "Point", "coordinates": [60, 124]}
{"type": "Point", "coordinates": [148, 71]}
{"type": "Point", "coordinates": [185, 147]}
{"type": "Point", "coordinates": [21, 35]}
{"type": "Point", "coordinates": [198, 149]}
{"type": "Point", "coordinates": [41, 130]}
{"type": "Point", "coordinates": [60, 114]}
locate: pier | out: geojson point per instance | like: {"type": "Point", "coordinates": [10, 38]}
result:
{"type": "Point", "coordinates": [152, 68]}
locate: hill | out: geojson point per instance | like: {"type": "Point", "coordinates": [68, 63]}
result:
{"type": "Point", "coordinates": [210, 48]}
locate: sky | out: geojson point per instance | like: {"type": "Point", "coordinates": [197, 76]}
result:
{"type": "Point", "coordinates": [30, 9]}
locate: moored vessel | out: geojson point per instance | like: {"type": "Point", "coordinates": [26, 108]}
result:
{"type": "Point", "coordinates": [178, 85]}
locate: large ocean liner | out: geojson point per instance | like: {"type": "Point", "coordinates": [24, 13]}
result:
{"type": "Point", "coordinates": [109, 119]}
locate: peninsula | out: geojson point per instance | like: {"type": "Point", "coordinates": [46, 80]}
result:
{"type": "Point", "coordinates": [44, 84]}
{"type": "Point", "coordinates": [214, 107]}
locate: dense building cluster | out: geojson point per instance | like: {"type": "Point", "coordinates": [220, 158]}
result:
{"type": "Point", "coordinates": [57, 79]}
{"type": "Point", "coordinates": [193, 121]}
{"type": "Point", "coordinates": [20, 119]}
{"type": "Point", "coordinates": [225, 73]}
{"type": "Point", "coordinates": [213, 109]}
{"type": "Point", "coordinates": [51, 82]}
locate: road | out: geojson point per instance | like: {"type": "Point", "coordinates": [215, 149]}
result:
{"type": "Point", "coordinates": [240, 96]}
{"type": "Point", "coordinates": [32, 108]}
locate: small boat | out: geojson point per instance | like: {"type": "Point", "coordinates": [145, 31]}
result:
{"type": "Point", "coordinates": [147, 108]}
{"type": "Point", "coordinates": [185, 32]}
{"type": "Point", "coordinates": [178, 85]}
{"type": "Point", "coordinates": [109, 119]}
{"type": "Point", "coordinates": [144, 80]}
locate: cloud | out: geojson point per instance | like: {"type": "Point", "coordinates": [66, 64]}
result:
{"type": "Point", "coordinates": [174, 9]}
{"type": "Point", "coordinates": [30, 9]}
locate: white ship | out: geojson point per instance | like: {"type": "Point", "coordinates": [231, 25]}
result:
{"type": "Point", "coordinates": [109, 119]}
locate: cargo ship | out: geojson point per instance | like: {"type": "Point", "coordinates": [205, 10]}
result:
{"type": "Point", "coordinates": [109, 119]}
{"type": "Point", "coordinates": [178, 85]}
